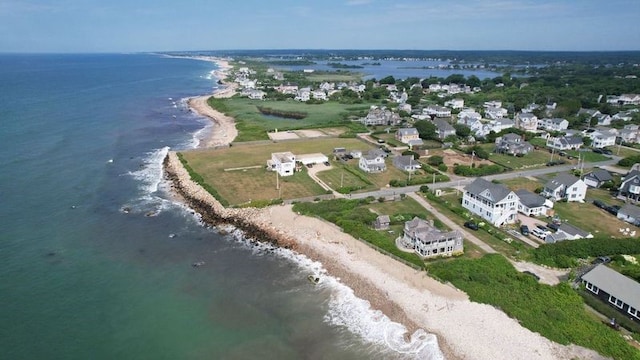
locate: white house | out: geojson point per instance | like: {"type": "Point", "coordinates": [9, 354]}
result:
{"type": "Point", "coordinates": [565, 186]}
{"type": "Point", "coordinates": [500, 124]}
{"type": "Point", "coordinates": [629, 134]}
{"type": "Point", "coordinates": [565, 142]}
{"type": "Point", "coordinates": [526, 121]}
{"type": "Point", "coordinates": [437, 111]}
{"type": "Point", "coordinates": [282, 162]}
{"type": "Point", "coordinates": [630, 213]}
{"type": "Point", "coordinates": [427, 241]}
{"type": "Point", "coordinates": [532, 204]}
{"type": "Point", "coordinates": [455, 103]}
{"type": "Point", "coordinates": [492, 202]}
{"type": "Point", "coordinates": [372, 162]}
{"type": "Point", "coordinates": [597, 178]}
{"type": "Point", "coordinates": [554, 124]}
{"type": "Point", "coordinates": [630, 186]}
{"type": "Point", "coordinates": [602, 137]}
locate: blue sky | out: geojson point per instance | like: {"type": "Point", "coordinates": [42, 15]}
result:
{"type": "Point", "coordinates": [163, 25]}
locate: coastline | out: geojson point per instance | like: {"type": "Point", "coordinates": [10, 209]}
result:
{"type": "Point", "coordinates": [224, 129]}
{"type": "Point", "coordinates": [464, 329]}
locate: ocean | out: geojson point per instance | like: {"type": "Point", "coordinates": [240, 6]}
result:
{"type": "Point", "coordinates": [96, 255]}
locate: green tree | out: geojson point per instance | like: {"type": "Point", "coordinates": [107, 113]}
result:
{"type": "Point", "coordinates": [462, 130]}
{"type": "Point", "coordinates": [426, 129]}
{"type": "Point", "coordinates": [388, 80]}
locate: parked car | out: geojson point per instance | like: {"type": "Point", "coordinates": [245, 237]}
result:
{"type": "Point", "coordinates": [326, 163]}
{"type": "Point", "coordinates": [613, 209]}
{"type": "Point", "coordinates": [471, 225]}
{"type": "Point", "coordinates": [599, 204]}
{"type": "Point", "coordinates": [553, 226]}
{"type": "Point", "coordinates": [524, 230]}
{"type": "Point", "coordinates": [607, 152]}
{"type": "Point", "coordinates": [601, 260]}
{"type": "Point", "coordinates": [598, 151]}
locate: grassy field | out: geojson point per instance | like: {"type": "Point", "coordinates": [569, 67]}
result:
{"type": "Point", "coordinates": [342, 175]}
{"type": "Point", "coordinates": [590, 218]}
{"type": "Point", "coordinates": [536, 158]}
{"type": "Point", "coordinates": [252, 181]}
{"type": "Point", "coordinates": [334, 77]}
{"type": "Point", "coordinates": [253, 125]}
{"type": "Point", "coordinates": [522, 183]}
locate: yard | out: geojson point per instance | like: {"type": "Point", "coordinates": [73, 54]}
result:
{"type": "Point", "coordinates": [590, 218]}
{"type": "Point", "coordinates": [239, 172]}
{"type": "Point", "coordinates": [536, 158]}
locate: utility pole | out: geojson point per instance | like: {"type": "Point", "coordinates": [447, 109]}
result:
{"type": "Point", "coordinates": [341, 178]}
{"type": "Point", "coordinates": [410, 169]}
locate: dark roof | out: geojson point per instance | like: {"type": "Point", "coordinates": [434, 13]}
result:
{"type": "Point", "coordinates": [443, 125]}
{"type": "Point", "coordinates": [600, 174]}
{"type": "Point", "coordinates": [631, 174]}
{"type": "Point", "coordinates": [572, 230]}
{"type": "Point", "coordinates": [405, 160]}
{"type": "Point", "coordinates": [615, 284]}
{"type": "Point", "coordinates": [562, 179]}
{"type": "Point", "coordinates": [631, 211]}
{"type": "Point", "coordinates": [488, 190]}
{"type": "Point", "coordinates": [530, 199]}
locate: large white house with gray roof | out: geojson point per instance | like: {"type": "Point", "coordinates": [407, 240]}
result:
{"type": "Point", "coordinates": [565, 186]}
{"type": "Point", "coordinates": [621, 292]}
{"type": "Point", "coordinates": [492, 202]}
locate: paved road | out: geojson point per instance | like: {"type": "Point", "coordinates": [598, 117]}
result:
{"type": "Point", "coordinates": [465, 181]}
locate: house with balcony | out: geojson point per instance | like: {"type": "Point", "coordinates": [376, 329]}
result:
{"type": "Point", "coordinates": [437, 111]}
{"type": "Point", "coordinates": [565, 186]}
{"type": "Point", "coordinates": [624, 99]}
{"type": "Point", "coordinates": [630, 187]}
{"type": "Point", "coordinates": [611, 287]}
{"type": "Point", "coordinates": [554, 124]}
{"type": "Point", "coordinates": [512, 144]}
{"type": "Point", "coordinates": [284, 163]}
{"type": "Point", "coordinates": [493, 202]}
{"type": "Point", "coordinates": [422, 237]}
{"type": "Point", "coordinates": [526, 121]}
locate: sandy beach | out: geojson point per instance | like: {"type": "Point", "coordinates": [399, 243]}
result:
{"type": "Point", "coordinates": [464, 329]}
{"type": "Point", "coordinates": [224, 130]}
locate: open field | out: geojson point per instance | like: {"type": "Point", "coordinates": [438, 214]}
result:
{"type": "Point", "coordinates": [253, 125]}
{"type": "Point", "coordinates": [522, 183]}
{"type": "Point", "coordinates": [536, 158]}
{"type": "Point", "coordinates": [243, 185]}
{"type": "Point", "coordinates": [334, 77]}
{"type": "Point", "coordinates": [338, 177]}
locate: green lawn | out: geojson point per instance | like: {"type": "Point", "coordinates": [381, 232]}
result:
{"type": "Point", "coordinates": [536, 158]}
{"type": "Point", "coordinates": [253, 125]}
{"type": "Point", "coordinates": [243, 185]}
{"type": "Point", "coordinates": [522, 183]}
{"type": "Point", "coordinates": [342, 176]}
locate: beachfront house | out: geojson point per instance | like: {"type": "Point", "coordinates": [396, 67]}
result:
{"type": "Point", "coordinates": [619, 291]}
{"type": "Point", "coordinates": [565, 187]}
{"type": "Point", "coordinates": [282, 162]}
{"type": "Point", "coordinates": [422, 237]}
{"type": "Point", "coordinates": [492, 202]}
{"type": "Point", "coordinates": [382, 222]}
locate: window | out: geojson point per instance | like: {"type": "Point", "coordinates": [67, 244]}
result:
{"type": "Point", "coordinates": [594, 289]}
{"type": "Point", "coordinates": [634, 312]}
{"type": "Point", "coordinates": [615, 301]}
